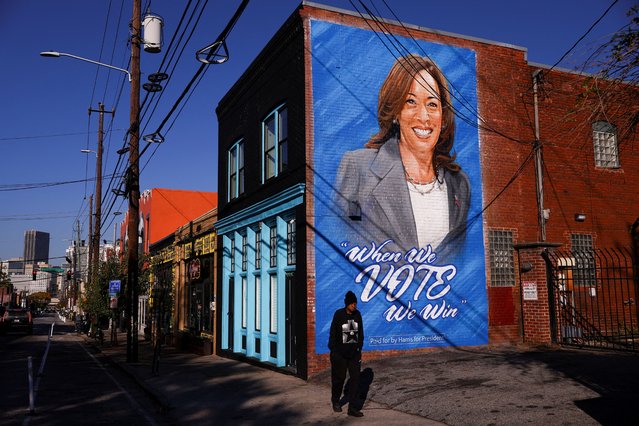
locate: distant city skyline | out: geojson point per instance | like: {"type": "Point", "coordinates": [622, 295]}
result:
{"type": "Point", "coordinates": [36, 246]}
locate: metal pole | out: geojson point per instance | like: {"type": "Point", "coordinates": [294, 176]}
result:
{"type": "Point", "coordinates": [134, 189]}
{"type": "Point", "coordinates": [91, 253]}
{"type": "Point", "coordinates": [539, 172]}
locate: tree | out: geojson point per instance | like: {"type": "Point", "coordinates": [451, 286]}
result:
{"type": "Point", "coordinates": [96, 297]}
{"type": "Point", "coordinates": [39, 300]}
{"type": "Point", "coordinates": [614, 67]}
{"type": "Point", "coordinates": [6, 288]}
{"type": "Point", "coordinates": [621, 57]}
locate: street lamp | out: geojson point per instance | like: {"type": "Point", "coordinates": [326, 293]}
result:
{"type": "Point", "coordinates": [133, 186]}
{"type": "Point", "coordinates": [53, 54]}
{"type": "Point", "coordinates": [88, 151]}
{"type": "Point", "coordinates": [115, 228]}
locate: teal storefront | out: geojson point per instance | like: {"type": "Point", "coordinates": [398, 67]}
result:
{"type": "Point", "coordinates": [257, 292]}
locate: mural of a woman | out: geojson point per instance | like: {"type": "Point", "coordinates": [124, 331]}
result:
{"type": "Point", "coordinates": [404, 185]}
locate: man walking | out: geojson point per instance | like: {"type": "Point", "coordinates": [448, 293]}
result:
{"type": "Point", "coordinates": [345, 342]}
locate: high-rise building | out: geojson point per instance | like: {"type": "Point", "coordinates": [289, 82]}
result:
{"type": "Point", "coordinates": [36, 247]}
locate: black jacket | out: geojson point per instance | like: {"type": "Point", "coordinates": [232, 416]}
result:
{"type": "Point", "coordinates": [347, 333]}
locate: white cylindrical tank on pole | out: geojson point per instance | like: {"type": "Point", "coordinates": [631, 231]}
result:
{"type": "Point", "coordinates": [152, 25]}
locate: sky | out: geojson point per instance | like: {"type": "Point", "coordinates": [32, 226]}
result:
{"type": "Point", "coordinates": [45, 179]}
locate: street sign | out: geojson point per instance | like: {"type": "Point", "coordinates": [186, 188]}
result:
{"type": "Point", "coordinates": [58, 270]}
{"type": "Point", "coordinates": [114, 288]}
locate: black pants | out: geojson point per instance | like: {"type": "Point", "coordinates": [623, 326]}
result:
{"type": "Point", "coordinates": [339, 366]}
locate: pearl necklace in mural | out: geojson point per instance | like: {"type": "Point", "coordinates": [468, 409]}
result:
{"type": "Point", "coordinates": [422, 188]}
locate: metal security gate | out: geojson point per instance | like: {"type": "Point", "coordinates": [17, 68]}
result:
{"type": "Point", "coordinates": [593, 298]}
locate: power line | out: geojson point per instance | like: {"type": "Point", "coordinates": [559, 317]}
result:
{"type": "Point", "coordinates": [25, 186]}
{"type": "Point", "coordinates": [110, 193]}
{"type": "Point", "coordinates": [583, 36]}
{"type": "Point", "coordinates": [221, 39]}
{"type": "Point", "coordinates": [57, 135]}
{"type": "Point", "coordinates": [402, 50]}
{"type": "Point", "coordinates": [16, 218]}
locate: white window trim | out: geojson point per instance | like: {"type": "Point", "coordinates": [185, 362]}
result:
{"type": "Point", "coordinates": [605, 145]}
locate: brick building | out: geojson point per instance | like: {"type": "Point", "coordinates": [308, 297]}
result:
{"type": "Point", "coordinates": [292, 242]}
{"type": "Point", "coordinates": [183, 268]}
{"type": "Point", "coordinates": [162, 211]}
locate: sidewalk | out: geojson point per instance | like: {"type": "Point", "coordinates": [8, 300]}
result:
{"type": "Point", "coordinates": [210, 390]}
{"type": "Point", "coordinates": [487, 385]}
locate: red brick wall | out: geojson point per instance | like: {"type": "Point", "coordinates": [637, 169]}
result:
{"type": "Point", "coordinates": [505, 116]}
{"type": "Point", "coordinates": [572, 182]}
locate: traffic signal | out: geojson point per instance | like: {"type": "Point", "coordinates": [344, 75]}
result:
{"type": "Point", "coordinates": [69, 275]}
{"type": "Point", "coordinates": [35, 273]}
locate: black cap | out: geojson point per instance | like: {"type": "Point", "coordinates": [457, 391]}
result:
{"type": "Point", "coordinates": [350, 298]}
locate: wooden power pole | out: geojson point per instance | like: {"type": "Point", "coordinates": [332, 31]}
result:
{"type": "Point", "coordinates": [133, 191]}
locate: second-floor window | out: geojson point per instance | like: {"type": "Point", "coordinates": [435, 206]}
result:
{"type": "Point", "coordinates": [236, 170]}
{"type": "Point", "coordinates": [275, 143]}
{"type": "Point", "coordinates": [604, 138]}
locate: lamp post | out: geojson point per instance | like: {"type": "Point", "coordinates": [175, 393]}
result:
{"type": "Point", "coordinates": [53, 54]}
{"type": "Point", "coordinates": [115, 229]}
{"type": "Point", "coordinates": [133, 183]}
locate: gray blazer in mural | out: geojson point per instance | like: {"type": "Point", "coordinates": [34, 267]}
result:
{"type": "Point", "coordinates": [373, 198]}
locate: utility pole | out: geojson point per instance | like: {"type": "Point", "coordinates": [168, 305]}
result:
{"type": "Point", "coordinates": [539, 162]}
{"type": "Point", "coordinates": [95, 237]}
{"type": "Point", "coordinates": [91, 254]}
{"type": "Point", "coordinates": [134, 191]}
{"type": "Point", "coordinates": [75, 264]}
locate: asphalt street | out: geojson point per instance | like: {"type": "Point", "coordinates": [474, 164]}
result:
{"type": "Point", "coordinates": [88, 383]}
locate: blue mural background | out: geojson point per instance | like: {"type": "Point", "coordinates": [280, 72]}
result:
{"type": "Point", "coordinates": [349, 66]}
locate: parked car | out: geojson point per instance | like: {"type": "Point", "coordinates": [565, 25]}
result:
{"type": "Point", "coordinates": [16, 320]}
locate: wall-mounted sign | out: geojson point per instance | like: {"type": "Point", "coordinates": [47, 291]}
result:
{"type": "Point", "coordinates": [194, 269]}
{"type": "Point", "coordinates": [529, 290]}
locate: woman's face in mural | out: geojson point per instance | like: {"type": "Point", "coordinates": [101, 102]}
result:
{"type": "Point", "coordinates": [420, 120]}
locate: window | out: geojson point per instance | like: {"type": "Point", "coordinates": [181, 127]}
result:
{"type": "Point", "coordinates": [604, 137]}
{"type": "Point", "coordinates": [244, 302]}
{"type": "Point", "coordinates": [290, 242]}
{"type": "Point", "coordinates": [236, 170]}
{"type": "Point", "coordinates": [275, 143]}
{"type": "Point", "coordinates": [502, 264]}
{"type": "Point", "coordinates": [232, 253]}
{"type": "Point", "coordinates": [258, 247]}
{"type": "Point", "coordinates": [244, 252]}
{"type": "Point", "coordinates": [273, 247]}
{"type": "Point", "coordinates": [273, 305]}
{"type": "Point", "coordinates": [258, 303]}
{"type": "Point", "coordinates": [583, 272]}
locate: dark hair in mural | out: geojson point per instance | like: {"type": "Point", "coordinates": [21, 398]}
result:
{"type": "Point", "coordinates": [392, 96]}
